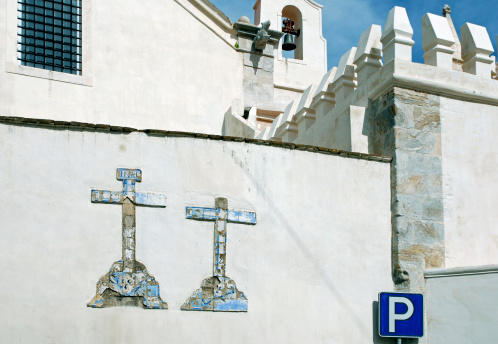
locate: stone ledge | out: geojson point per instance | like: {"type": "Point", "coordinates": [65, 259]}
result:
{"type": "Point", "coordinates": [105, 128]}
{"type": "Point", "coordinates": [461, 271]}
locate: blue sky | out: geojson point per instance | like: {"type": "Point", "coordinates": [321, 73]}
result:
{"type": "Point", "coordinates": [345, 21]}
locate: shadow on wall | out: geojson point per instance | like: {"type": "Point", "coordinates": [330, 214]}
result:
{"type": "Point", "coordinates": [358, 319]}
{"type": "Point", "coordinates": [255, 61]}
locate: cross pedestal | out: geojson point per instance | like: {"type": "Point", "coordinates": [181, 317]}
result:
{"type": "Point", "coordinates": [128, 278]}
{"type": "Point", "coordinates": [219, 293]}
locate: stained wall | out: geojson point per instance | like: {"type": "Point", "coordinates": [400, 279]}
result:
{"type": "Point", "coordinates": [311, 267]}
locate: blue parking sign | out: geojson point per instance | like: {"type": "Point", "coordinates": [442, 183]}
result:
{"type": "Point", "coordinates": [401, 315]}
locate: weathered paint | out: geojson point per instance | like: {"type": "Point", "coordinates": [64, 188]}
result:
{"type": "Point", "coordinates": [128, 277]}
{"type": "Point", "coordinates": [219, 293]}
{"type": "Point", "coordinates": [127, 283]}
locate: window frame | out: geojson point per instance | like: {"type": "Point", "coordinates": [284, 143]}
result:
{"type": "Point", "coordinates": [13, 64]}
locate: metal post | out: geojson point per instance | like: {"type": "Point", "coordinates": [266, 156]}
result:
{"type": "Point", "coordinates": [398, 341]}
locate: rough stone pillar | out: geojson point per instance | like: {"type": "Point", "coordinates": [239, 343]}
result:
{"type": "Point", "coordinates": [406, 126]}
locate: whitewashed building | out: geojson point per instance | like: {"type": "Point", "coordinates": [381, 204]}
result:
{"type": "Point", "coordinates": [127, 138]}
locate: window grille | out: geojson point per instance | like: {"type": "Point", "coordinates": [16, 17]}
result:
{"type": "Point", "coordinates": [49, 34]}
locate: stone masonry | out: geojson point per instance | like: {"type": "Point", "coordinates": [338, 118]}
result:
{"type": "Point", "coordinates": [406, 126]}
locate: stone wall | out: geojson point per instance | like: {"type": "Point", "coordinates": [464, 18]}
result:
{"type": "Point", "coordinates": [406, 125]}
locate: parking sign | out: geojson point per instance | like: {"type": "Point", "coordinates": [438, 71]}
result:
{"type": "Point", "coordinates": [401, 315]}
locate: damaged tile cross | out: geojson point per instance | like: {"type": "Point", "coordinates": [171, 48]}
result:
{"type": "Point", "coordinates": [128, 277]}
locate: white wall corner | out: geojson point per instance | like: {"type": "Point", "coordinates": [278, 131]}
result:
{"type": "Point", "coordinates": [397, 36]}
{"type": "Point", "coordinates": [437, 40]}
{"type": "Point", "coordinates": [476, 48]}
{"type": "Point", "coordinates": [368, 57]}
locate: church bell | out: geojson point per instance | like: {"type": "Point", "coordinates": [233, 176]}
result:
{"type": "Point", "coordinates": [288, 44]}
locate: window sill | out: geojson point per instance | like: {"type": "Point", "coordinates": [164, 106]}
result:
{"type": "Point", "coordinates": [48, 74]}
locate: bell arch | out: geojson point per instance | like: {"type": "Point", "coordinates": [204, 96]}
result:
{"type": "Point", "coordinates": [293, 13]}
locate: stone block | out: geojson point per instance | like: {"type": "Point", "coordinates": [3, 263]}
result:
{"type": "Point", "coordinates": [397, 36]}
{"type": "Point", "coordinates": [258, 86]}
{"type": "Point", "coordinates": [433, 210]}
{"type": "Point", "coordinates": [325, 81]}
{"type": "Point", "coordinates": [345, 84]}
{"type": "Point", "coordinates": [344, 81]}
{"type": "Point", "coordinates": [368, 56]}
{"type": "Point", "coordinates": [437, 40]}
{"type": "Point", "coordinates": [259, 61]}
{"type": "Point", "coordinates": [346, 59]}
{"type": "Point", "coordinates": [408, 205]}
{"type": "Point", "coordinates": [476, 48]}
{"type": "Point", "coordinates": [323, 103]}
{"type": "Point", "coordinates": [305, 118]}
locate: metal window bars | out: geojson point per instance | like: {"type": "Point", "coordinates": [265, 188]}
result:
{"type": "Point", "coordinates": [49, 34]}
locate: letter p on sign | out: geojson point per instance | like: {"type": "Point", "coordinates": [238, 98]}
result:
{"type": "Point", "coordinates": [401, 315]}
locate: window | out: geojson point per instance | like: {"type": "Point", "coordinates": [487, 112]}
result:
{"type": "Point", "coordinates": [49, 34]}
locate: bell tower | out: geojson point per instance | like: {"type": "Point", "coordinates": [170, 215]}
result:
{"type": "Point", "coordinates": [301, 21]}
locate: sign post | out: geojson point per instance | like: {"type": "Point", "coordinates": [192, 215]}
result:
{"type": "Point", "coordinates": [401, 315]}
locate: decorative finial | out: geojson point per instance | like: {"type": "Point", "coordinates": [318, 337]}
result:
{"type": "Point", "coordinates": [446, 9]}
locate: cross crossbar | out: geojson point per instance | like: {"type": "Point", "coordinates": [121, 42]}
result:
{"type": "Point", "coordinates": [139, 198]}
{"type": "Point", "coordinates": [212, 214]}
{"type": "Point", "coordinates": [129, 178]}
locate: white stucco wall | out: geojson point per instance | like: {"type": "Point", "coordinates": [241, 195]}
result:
{"type": "Point", "coordinates": [470, 182]}
{"type": "Point", "coordinates": [154, 65]}
{"type": "Point", "coordinates": [311, 267]}
{"type": "Point", "coordinates": [462, 306]}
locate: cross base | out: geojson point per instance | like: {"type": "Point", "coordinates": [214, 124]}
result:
{"type": "Point", "coordinates": [119, 285]}
{"type": "Point", "coordinates": [217, 294]}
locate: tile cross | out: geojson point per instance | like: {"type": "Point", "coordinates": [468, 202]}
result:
{"type": "Point", "coordinates": [129, 198]}
{"type": "Point", "coordinates": [219, 293]}
{"type": "Point", "coordinates": [128, 277]}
